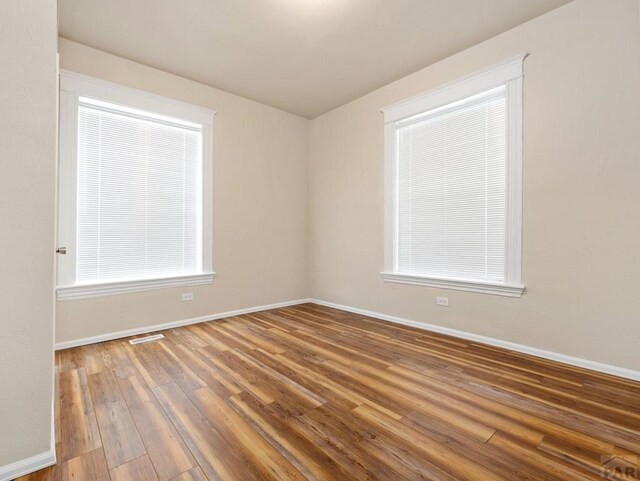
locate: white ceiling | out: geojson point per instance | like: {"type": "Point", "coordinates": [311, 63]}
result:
{"type": "Point", "coordinates": [302, 56]}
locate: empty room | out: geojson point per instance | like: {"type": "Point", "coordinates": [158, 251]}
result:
{"type": "Point", "coordinates": [288, 240]}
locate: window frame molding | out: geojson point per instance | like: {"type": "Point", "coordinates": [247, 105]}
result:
{"type": "Point", "coordinates": [509, 72]}
{"type": "Point", "coordinates": [74, 85]}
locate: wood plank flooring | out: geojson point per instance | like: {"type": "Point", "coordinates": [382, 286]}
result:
{"type": "Point", "coordinates": [312, 393]}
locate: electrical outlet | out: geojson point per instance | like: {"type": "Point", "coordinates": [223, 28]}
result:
{"type": "Point", "coordinates": [187, 296]}
{"type": "Point", "coordinates": [442, 301]}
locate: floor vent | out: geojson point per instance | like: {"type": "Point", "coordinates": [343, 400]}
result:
{"type": "Point", "coordinates": [140, 340]}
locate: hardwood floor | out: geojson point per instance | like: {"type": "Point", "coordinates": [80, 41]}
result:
{"type": "Point", "coordinates": [313, 393]}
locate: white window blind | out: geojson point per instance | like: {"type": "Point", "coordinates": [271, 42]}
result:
{"type": "Point", "coordinates": [139, 195]}
{"type": "Point", "coordinates": [452, 190]}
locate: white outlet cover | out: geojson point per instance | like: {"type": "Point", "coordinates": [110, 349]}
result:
{"type": "Point", "coordinates": [442, 301]}
{"type": "Point", "coordinates": [187, 296]}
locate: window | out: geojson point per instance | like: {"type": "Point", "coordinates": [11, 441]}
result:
{"type": "Point", "coordinates": [453, 185]}
{"type": "Point", "coordinates": [135, 200]}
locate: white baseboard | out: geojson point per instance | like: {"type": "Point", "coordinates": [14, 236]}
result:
{"type": "Point", "coordinates": [29, 465]}
{"type": "Point", "coordinates": [170, 325]}
{"type": "Point", "coordinates": [34, 463]}
{"type": "Point", "coordinates": [553, 356]}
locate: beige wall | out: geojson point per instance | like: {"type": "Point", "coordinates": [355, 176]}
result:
{"type": "Point", "coordinates": [27, 173]}
{"type": "Point", "coordinates": [274, 241]}
{"type": "Point", "coordinates": [581, 260]}
{"type": "Point", "coordinates": [260, 207]}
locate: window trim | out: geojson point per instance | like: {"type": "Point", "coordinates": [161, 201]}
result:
{"type": "Point", "coordinates": [509, 73]}
{"type": "Point", "coordinates": [80, 291]}
{"type": "Point", "coordinates": [73, 86]}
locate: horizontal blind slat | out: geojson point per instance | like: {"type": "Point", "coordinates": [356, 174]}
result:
{"type": "Point", "coordinates": [452, 192]}
{"type": "Point", "coordinates": [139, 198]}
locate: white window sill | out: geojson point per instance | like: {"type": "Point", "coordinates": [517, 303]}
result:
{"type": "Point", "coordinates": [106, 289]}
{"type": "Point", "coordinates": [507, 290]}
